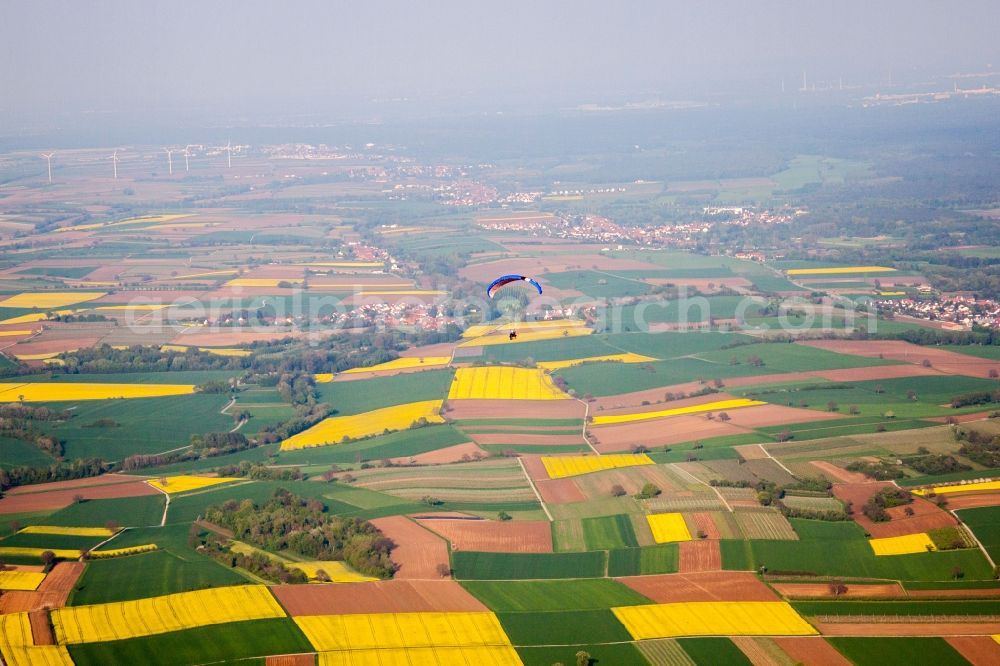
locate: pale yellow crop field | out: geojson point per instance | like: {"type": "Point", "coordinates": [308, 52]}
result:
{"type": "Point", "coordinates": [717, 406]}
{"type": "Point", "coordinates": [33, 317]}
{"type": "Point", "coordinates": [526, 336]}
{"type": "Point", "coordinates": [46, 300]}
{"type": "Point", "coordinates": [616, 358]}
{"type": "Point", "coordinates": [402, 630]}
{"type": "Point", "coordinates": [839, 270]}
{"type": "Point", "coordinates": [959, 488]}
{"type": "Point", "coordinates": [27, 551]}
{"type": "Point", "coordinates": [713, 618]}
{"type": "Point", "coordinates": [68, 531]}
{"type": "Point", "coordinates": [183, 482]}
{"type": "Point", "coordinates": [262, 282]}
{"type": "Point", "coordinates": [559, 467]}
{"type": "Point", "coordinates": [132, 220]}
{"type": "Point", "coordinates": [403, 363]}
{"type": "Point", "coordinates": [10, 334]}
{"type": "Point", "coordinates": [483, 655]}
{"type": "Point", "coordinates": [902, 545]}
{"type": "Point", "coordinates": [156, 615]}
{"type": "Point", "coordinates": [668, 527]}
{"type": "Point", "coordinates": [121, 552]}
{"type": "Point", "coordinates": [231, 271]}
{"type": "Point", "coordinates": [218, 351]}
{"type": "Point", "coordinates": [337, 572]}
{"type": "Point", "coordinates": [477, 330]}
{"type": "Point", "coordinates": [497, 382]}
{"type": "Point", "coordinates": [21, 580]}
{"type": "Point", "coordinates": [55, 392]}
{"type": "Point", "coordinates": [47, 357]}
{"type": "Point", "coordinates": [334, 429]}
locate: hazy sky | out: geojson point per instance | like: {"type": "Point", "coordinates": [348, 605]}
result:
{"type": "Point", "coordinates": [237, 56]}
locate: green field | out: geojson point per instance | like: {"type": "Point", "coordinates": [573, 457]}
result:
{"type": "Point", "coordinates": [596, 283]}
{"type": "Point", "coordinates": [707, 651]}
{"type": "Point", "coordinates": [897, 651]}
{"type": "Point", "coordinates": [216, 643]}
{"type": "Point", "coordinates": [126, 511]}
{"type": "Point", "coordinates": [840, 549]}
{"type": "Point", "coordinates": [54, 541]}
{"type": "Point", "coordinates": [16, 452]}
{"type": "Point", "coordinates": [643, 561]}
{"type": "Point", "coordinates": [355, 397]}
{"type": "Point", "coordinates": [620, 654]}
{"type": "Point", "coordinates": [845, 607]}
{"type": "Point", "coordinates": [566, 627]}
{"type": "Point", "coordinates": [982, 351]}
{"type": "Point", "coordinates": [609, 532]}
{"type": "Point", "coordinates": [554, 595]}
{"type": "Point", "coordinates": [558, 349]}
{"type": "Point", "coordinates": [694, 309]}
{"type": "Point", "coordinates": [985, 524]}
{"type": "Point", "coordinates": [785, 357]}
{"type": "Point", "coordinates": [471, 565]}
{"type": "Point", "coordinates": [394, 445]}
{"type": "Point", "coordinates": [602, 379]}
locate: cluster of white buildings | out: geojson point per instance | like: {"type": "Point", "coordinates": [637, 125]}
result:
{"type": "Point", "coordinates": [962, 311]}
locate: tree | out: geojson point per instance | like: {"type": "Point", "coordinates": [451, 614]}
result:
{"type": "Point", "coordinates": [911, 395]}
{"type": "Point", "coordinates": [832, 406]}
{"type": "Point", "coordinates": [48, 558]}
{"type": "Point", "coordinates": [926, 363]}
{"type": "Point", "coordinates": [837, 587]}
{"type": "Point", "coordinates": [649, 490]}
{"type": "Point", "coordinates": [617, 490]}
{"type": "Point", "coordinates": [504, 516]}
{"type": "Point", "coordinates": [443, 570]}
{"type": "Point", "coordinates": [582, 658]}
{"type": "Point", "coordinates": [723, 416]}
{"type": "Point", "coordinates": [957, 573]}
{"type": "Point", "coordinates": [77, 499]}
{"type": "Point", "coordinates": [112, 525]}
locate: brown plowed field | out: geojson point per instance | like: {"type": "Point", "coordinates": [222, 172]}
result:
{"type": "Point", "coordinates": [769, 415]}
{"type": "Point", "coordinates": [673, 404]}
{"type": "Point", "coordinates": [418, 552]}
{"type": "Point", "coordinates": [307, 659]}
{"type": "Point", "coordinates": [384, 596]}
{"type": "Point", "coordinates": [839, 473]}
{"type": "Point", "coordinates": [822, 590]}
{"type": "Point", "coordinates": [103, 480]}
{"type": "Point", "coordinates": [908, 628]}
{"type": "Point", "coordinates": [523, 439]}
{"type": "Point", "coordinates": [52, 593]}
{"type": "Point", "coordinates": [607, 404]}
{"type": "Point", "coordinates": [699, 556]}
{"type": "Point", "coordinates": [57, 499]}
{"type": "Point", "coordinates": [41, 345]}
{"type": "Point", "coordinates": [597, 485]}
{"type": "Point", "coordinates": [134, 297]}
{"type": "Point", "coordinates": [559, 491]}
{"type": "Point", "coordinates": [709, 586]}
{"type": "Point", "coordinates": [970, 500]}
{"type": "Point", "coordinates": [449, 454]}
{"type": "Point", "coordinates": [505, 409]}
{"type": "Point", "coordinates": [875, 372]}
{"type": "Point", "coordinates": [979, 650]}
{"type": "Point", "coordinates": [963, 418]}
{"type": "Point", "coordinates": [926, 516]}
{"type": "Point", "coordinates": [658, 432]}
{"type": "Point", "coordinates": [811, 650]}
{"type": "Point", "coordinates": [753, 648]}
{"type": "Point", "coordinates": [704, 523]}
{"type": "Point", "coordinates": [533, 467]}
{"type": "Point", "coordinates": [41, 630]}
{"type": "Point", "coordinates": [942, 360]}
{"type": "Point", "coordinates": [440, 349]}
{"type": "Point", "coordinates": [514, 536]}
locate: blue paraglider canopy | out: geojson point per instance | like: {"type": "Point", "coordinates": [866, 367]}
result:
{"type": "Point", "coordinates": [504, 280]}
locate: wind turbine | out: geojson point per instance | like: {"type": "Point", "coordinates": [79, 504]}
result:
{"type": "Point", "coordinates": [187, 166]}
{"type": "Point", "coordinates": [114, 159]}
{"type": "Point", "coordinates": [170, 160]}
{"type": "Point", "coordinates": [48, 158]}
{"type": "Point", "coordinates": [229, 154]}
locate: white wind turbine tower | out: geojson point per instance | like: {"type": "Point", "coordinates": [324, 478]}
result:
{"type": "Point", "coordinates": [187, 165]}
{"type": "Point", "coordinates": [170, 160]}
{"type": "Point", "coordinates": [114, 159]}
{"type": "Point", "coordinates": [48, 158]}
{"type": "Point", "coordinates": [229, 154]}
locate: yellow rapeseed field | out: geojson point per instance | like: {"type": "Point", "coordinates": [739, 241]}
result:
{"type": "Point", "coordinates": [487, 655]}
{"type": "Point", "coordinates": [668, 527]}
{"type": "Point", "coordinates": [10, 334]}
{"type": "Point", "coordinates": [68, 531]}
{"type": "Point", "coordinates": [231, 271]}
{"type": "Point", "coordinates": [902, 545]}
{"type": "Point", "coordinates": [497, 382]}
{"type": "Point", "coordinates": [183, 482]}
{"type": "Point", "coordinates": [337, 572]}
{"type": "Point", "coordinates": [218, 351]}
{"type": "Point", "coordinates": [323, 377]}
{"type": "Point", "coordinates": [34, 316]}
{"type": "Point", "coordinates": [26, 551]}
{"type": "Point", "coordinates": [527, 336]}
{"type": "Point", "coordinates": [478, 330]}
{"type": "Point", "coordinates": [49, 356]}
{"type": "Point", "coordinates": [333, 430]}
{"type": "Point", "coordinates": [402, 630]}
{"type": "Point", "coordinates": [403, 363]}
{"type": "Point", "coordinates": [262, 282]}
{"type": "Point", "coordinates": [559, 467]}
{"type": "Point", "coordinates": [839, 270]}
{"type": "Point", "coordinates": [121, 552]}
{"type": "Point", "coordinates": [21, 580]}
{"type": "Point", "coordinates": [146, 219]}
{"type": "Point", "coordinates": [959, 488]}
{"type": "Point", "coordinates": [46, 300]}
{"type": "Point", "coordinates": [17, 645]}
{"type": "Point", "coordinates": [713, 618]}
{"type": "Point", "coordinates": [892, 293]}
{"type": "Point", "coordinates": [717, 406]}
{"type": "Point", "coordinates": [157, 615]}
{"type": "Point", "coordinates": [54, 392]}
{"type": "Point", "coordinates": [619, 358]}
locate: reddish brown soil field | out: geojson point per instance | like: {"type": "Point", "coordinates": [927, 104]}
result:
{"type": "Point", "coordinates": [524, 409]}
{"type": "Point", "coordinates": [658, 432]}
{"type": "Point", "coordinates": [449, 454]}
{"type": "Point", "coordinates": [926, 516]}
{"type": "Point", "coordinates": [963, 418]}
{"type": "Point", "coordinates": [102, 480]}
{"type": "Point", "coordinates": [838, 473]}
{"type": "Point", "coordinates": [57, 499]}
{"type": "Point", "coordinates": [598, 485]}
{"type": "Point", "coordinates": [822, 590]}
{"type": "Point", "coordinates": [811, 650]}
{"type": "Point", "coordinates": [973, 500]}
{"type": "Point", "coordinates": [709, 586]}
{"type": "Point", "coordinates": [440, 349]}
{"type": "Point", "coordinates": [908, 628]}
{"type": "Point", "coordinates": [979, 650]}
{"type": "Point", "coordinates": [515, 536]}
{"type": "Point", "coordinates": [527, 440]}
{"type": "Point", "coordinates": [387, 596]}
{"type": "Point", "coordinates": [533, 467]}
{"type": "Point", "coordinates": [133, 297]}
{"type": "Point", "coordinates": [52, 593]}
{"type": "Point", "coordinates": [769, 415]}
{"type": "Point", "coordinates": [307, 659]}
{"type": "Point", "coordinates": [704, 523]}
{"type": "Point", "coordinates": [42, 345]}
{"type": "Point", "coordinates": [609, 403]}
{"type": "Point", "coordinates": [559, 491]}
{"type": "Point", "coordinates": [754, 649]}
{"type": "Point", "coordinates": [699, 556]}
{"type": "Point", "coordinates": [673, 404]}
{"type": "Point", "coordinates": [875, 372]}
{"type": "Point", "coordinates": [955, 594]}
{"type": "Point", "coordinates": [41, 630]}
{"type": "Point", "coordinates": [940, 359]}
{"type": "Point", "coordinates": [418, 552]}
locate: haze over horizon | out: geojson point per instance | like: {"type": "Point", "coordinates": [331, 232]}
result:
{"type": "Point", "coordinates": [65, 59]}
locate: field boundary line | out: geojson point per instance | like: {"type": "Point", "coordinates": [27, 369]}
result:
{"type": "Point", "coordinates": [684, 472]}
{"type": "Point", "coordinates": [972, 533]}
{"type": "Point", "coordinates": [780, 464]}
{"type": "Point", "coordinates": [531, 483]}
{"type": "Point", "coordinates": [583, 430]}
{"type": "Point", "coordinates": [166, 507]}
